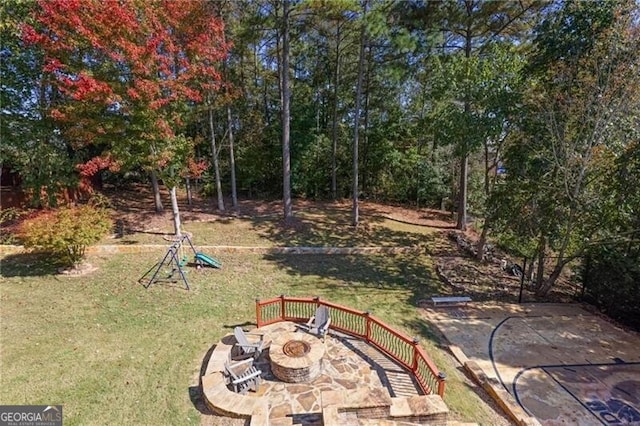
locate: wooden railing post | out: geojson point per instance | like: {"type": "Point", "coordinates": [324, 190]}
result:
{"type": "Point", "coordinates": [258, 314]}
{"type": "Point", "coordinates": [414, 365]}
{"type": "Point", "coordinates": [282, 307]}
{"type": "Point", "coordinates": [367, 315]}
{"type": "Point", "coordinates": [442, 377]}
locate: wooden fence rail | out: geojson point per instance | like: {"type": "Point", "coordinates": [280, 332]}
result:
{"type": "Point", "coordinates": [406, 351]}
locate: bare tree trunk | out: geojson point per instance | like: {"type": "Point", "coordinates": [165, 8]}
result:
{"type": "Point", "coordinates": [365, 129]}
{"type": "Point", "coordinates": [355, 212]}
{"type": "Point", "coordinates": [482, 241]}
{"type": "Point", "coordinates": [216, 164]}
{"type": "Point", "coordinates": [176, 212]}
{"type": "Point", "coordinates": [286, 119]}
{"type": "Point", "coordinates": [232, 160]}
{"type": "Point", "coordinates": [549, 282]}
{"type": "Point", "coordinates": [189, 195]}
{"type": "Point", "coordinates": [488, 184]}
{"type": "Point", "coordinates": [542, 245]}
{"type": "Point", "coordinates": [334, 129]}
{"type": "Point", "coordinates": [157, 200]}
{"type": "Point", "coordinates": [464, 159]}
{"type": "Point", "coordinates": [462, 194]}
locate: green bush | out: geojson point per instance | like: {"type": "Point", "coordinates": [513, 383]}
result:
{"type": "Point", "coordinates": [65, 233]}
{"type": "Point", "coordinates": [8, 219]}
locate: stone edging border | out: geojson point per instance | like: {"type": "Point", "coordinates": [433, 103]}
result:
{"type": "Point", "coordinates": [497, 392]}
{"type": "Point", "coordinates": [142, 248]}
{"type": "Point", "coordinates": [223, 401]}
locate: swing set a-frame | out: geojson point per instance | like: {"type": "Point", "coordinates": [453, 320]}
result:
{"type": "Point", "coordinates": [175, 259]}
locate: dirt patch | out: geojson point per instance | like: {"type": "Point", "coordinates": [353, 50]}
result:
{"type": "Point", "coordinates": [498, 277]}
{"type": "Point", "coordinates": [134, 209]}
{"type": "Point", "coordinates": [78, 270]}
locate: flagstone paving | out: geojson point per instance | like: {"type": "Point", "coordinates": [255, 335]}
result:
{"type": "Point", "coordinates": [355, 379]}
{"type": "Point", "coordinates": [349, 363]}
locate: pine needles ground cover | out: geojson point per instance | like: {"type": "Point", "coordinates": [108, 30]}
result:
{"type": "Point", "coordinates": [111, 351]}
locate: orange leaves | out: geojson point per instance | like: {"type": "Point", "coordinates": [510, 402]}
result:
{"type": "Point", "coordinates": [87, 88]}
{"type": "Point", "coordinates": [196, 168]}
{"type": "Point", "coordinates": [129, 61]}
{"type": "Point", "coordinates": [167, 48]}
{"type": "Point", "coordinates": [96, 164]}
{"type": "Point", "coordinates": [56, 114]}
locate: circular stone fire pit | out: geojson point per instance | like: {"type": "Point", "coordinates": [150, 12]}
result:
{"type": "Point", "coordinates": [296, 348]}
{"type": "Point", "coordinates": [296, 357]}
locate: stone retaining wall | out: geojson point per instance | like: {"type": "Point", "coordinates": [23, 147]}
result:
{"type": "Point", "coordinates": [225, 402]}
{"type": "Point", "coordinates": [144, 248]}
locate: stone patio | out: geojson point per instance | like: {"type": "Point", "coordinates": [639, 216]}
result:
{"type": "Point", "coordinates": [367, 383]}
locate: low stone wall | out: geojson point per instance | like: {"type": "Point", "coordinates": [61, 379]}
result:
{"type": "Point", "coordinates": [145, 248]}
{"type": "Point", "coordinates": [363, 404]}
{"type": "Point", "coordinates": [225, 402]}
{"type": "Point", "coordinates": [358, 405]}
{"type": "Point", "coordinates": [495, 390]}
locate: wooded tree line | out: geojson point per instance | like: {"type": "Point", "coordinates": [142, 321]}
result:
{"type": "Point", "coordinates": [521, 116]}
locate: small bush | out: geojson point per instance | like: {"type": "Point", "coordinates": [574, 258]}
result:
{"type": "Point", "coordinates": [8, 219]}
{"type": "Point", "coordinates": [66, 233]}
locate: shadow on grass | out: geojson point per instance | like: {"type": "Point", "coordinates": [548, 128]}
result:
{"type": "Point", "coordinates": [393, 283]}
{"type": "Point", "coordinates": [371, 276]}
{"type": "Point", "coordinates": [426, 331]}
{"type": "Point", "coordinates": [29, 265]}
{"type": "Point", "coordinates": [240, 324]}
{"type": "Point", "coordinates": [333, 228]}
{"type": "Point", "coordinates": [196, 393]}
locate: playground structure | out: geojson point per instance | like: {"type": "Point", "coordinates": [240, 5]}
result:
{"type": "Point", "coordinates": [176, 258]}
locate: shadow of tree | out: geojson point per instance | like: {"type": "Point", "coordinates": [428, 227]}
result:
{"type": "Point", "coordinates": [410, 273]}
{"type": "Point", "coordinates": [29, 265]}
{"type": "Point", "coordinates": [196, 393]}
{"type": "Point", "coordinates": [381, 280]}
{"type": "Point", "coordinates": [333, 228]}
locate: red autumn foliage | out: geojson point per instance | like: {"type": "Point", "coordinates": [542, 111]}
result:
{"type": "Point", "coordinates": [166, 46]}
{"type": "Point", "coordinates": [96, 164]}
{"type": "Point", "coordinates": [196, 168]}
{"type": "Point", "coordinates": [127, 55]}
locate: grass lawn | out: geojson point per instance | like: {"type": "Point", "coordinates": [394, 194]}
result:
{"type": "Point", "coordinates": [311, 229]}
{"type": "Point", "coordinates": [112, 352]}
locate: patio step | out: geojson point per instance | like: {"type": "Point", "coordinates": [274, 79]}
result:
{"type": "Point", "coordinates": [383, 422]}
{"type": "Point", "coordinates": [288, 421]}
{"type": "Point", "coordinates": [421, 408]}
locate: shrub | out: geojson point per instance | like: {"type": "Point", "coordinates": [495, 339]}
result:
{"type": "Point", "coordinates": [65, 233]}
{"type": "Point", "coordinates": [8, 219]}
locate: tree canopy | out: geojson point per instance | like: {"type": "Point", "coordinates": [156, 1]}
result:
{"type": "Point", "coordinates": [520, 117]}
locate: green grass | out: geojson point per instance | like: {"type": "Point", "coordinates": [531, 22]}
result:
{"type": "Point", "coordinates": [308, 230]}
{"type": "Point", "coordinates": [112, 352]}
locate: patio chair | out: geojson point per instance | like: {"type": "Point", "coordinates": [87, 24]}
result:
{"type": "Point", "coordinates": [244, 348]}
{"type": "Point", "coordinates": [243, 376]}
{"type": "Point", "coordinates": [319, 323]}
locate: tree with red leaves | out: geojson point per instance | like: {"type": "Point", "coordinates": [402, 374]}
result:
{"type": "Point", "coordinates": [129, 70]}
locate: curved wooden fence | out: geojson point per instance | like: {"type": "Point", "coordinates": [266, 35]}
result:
{"type": "Point", "coordinates": [406, 351]}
